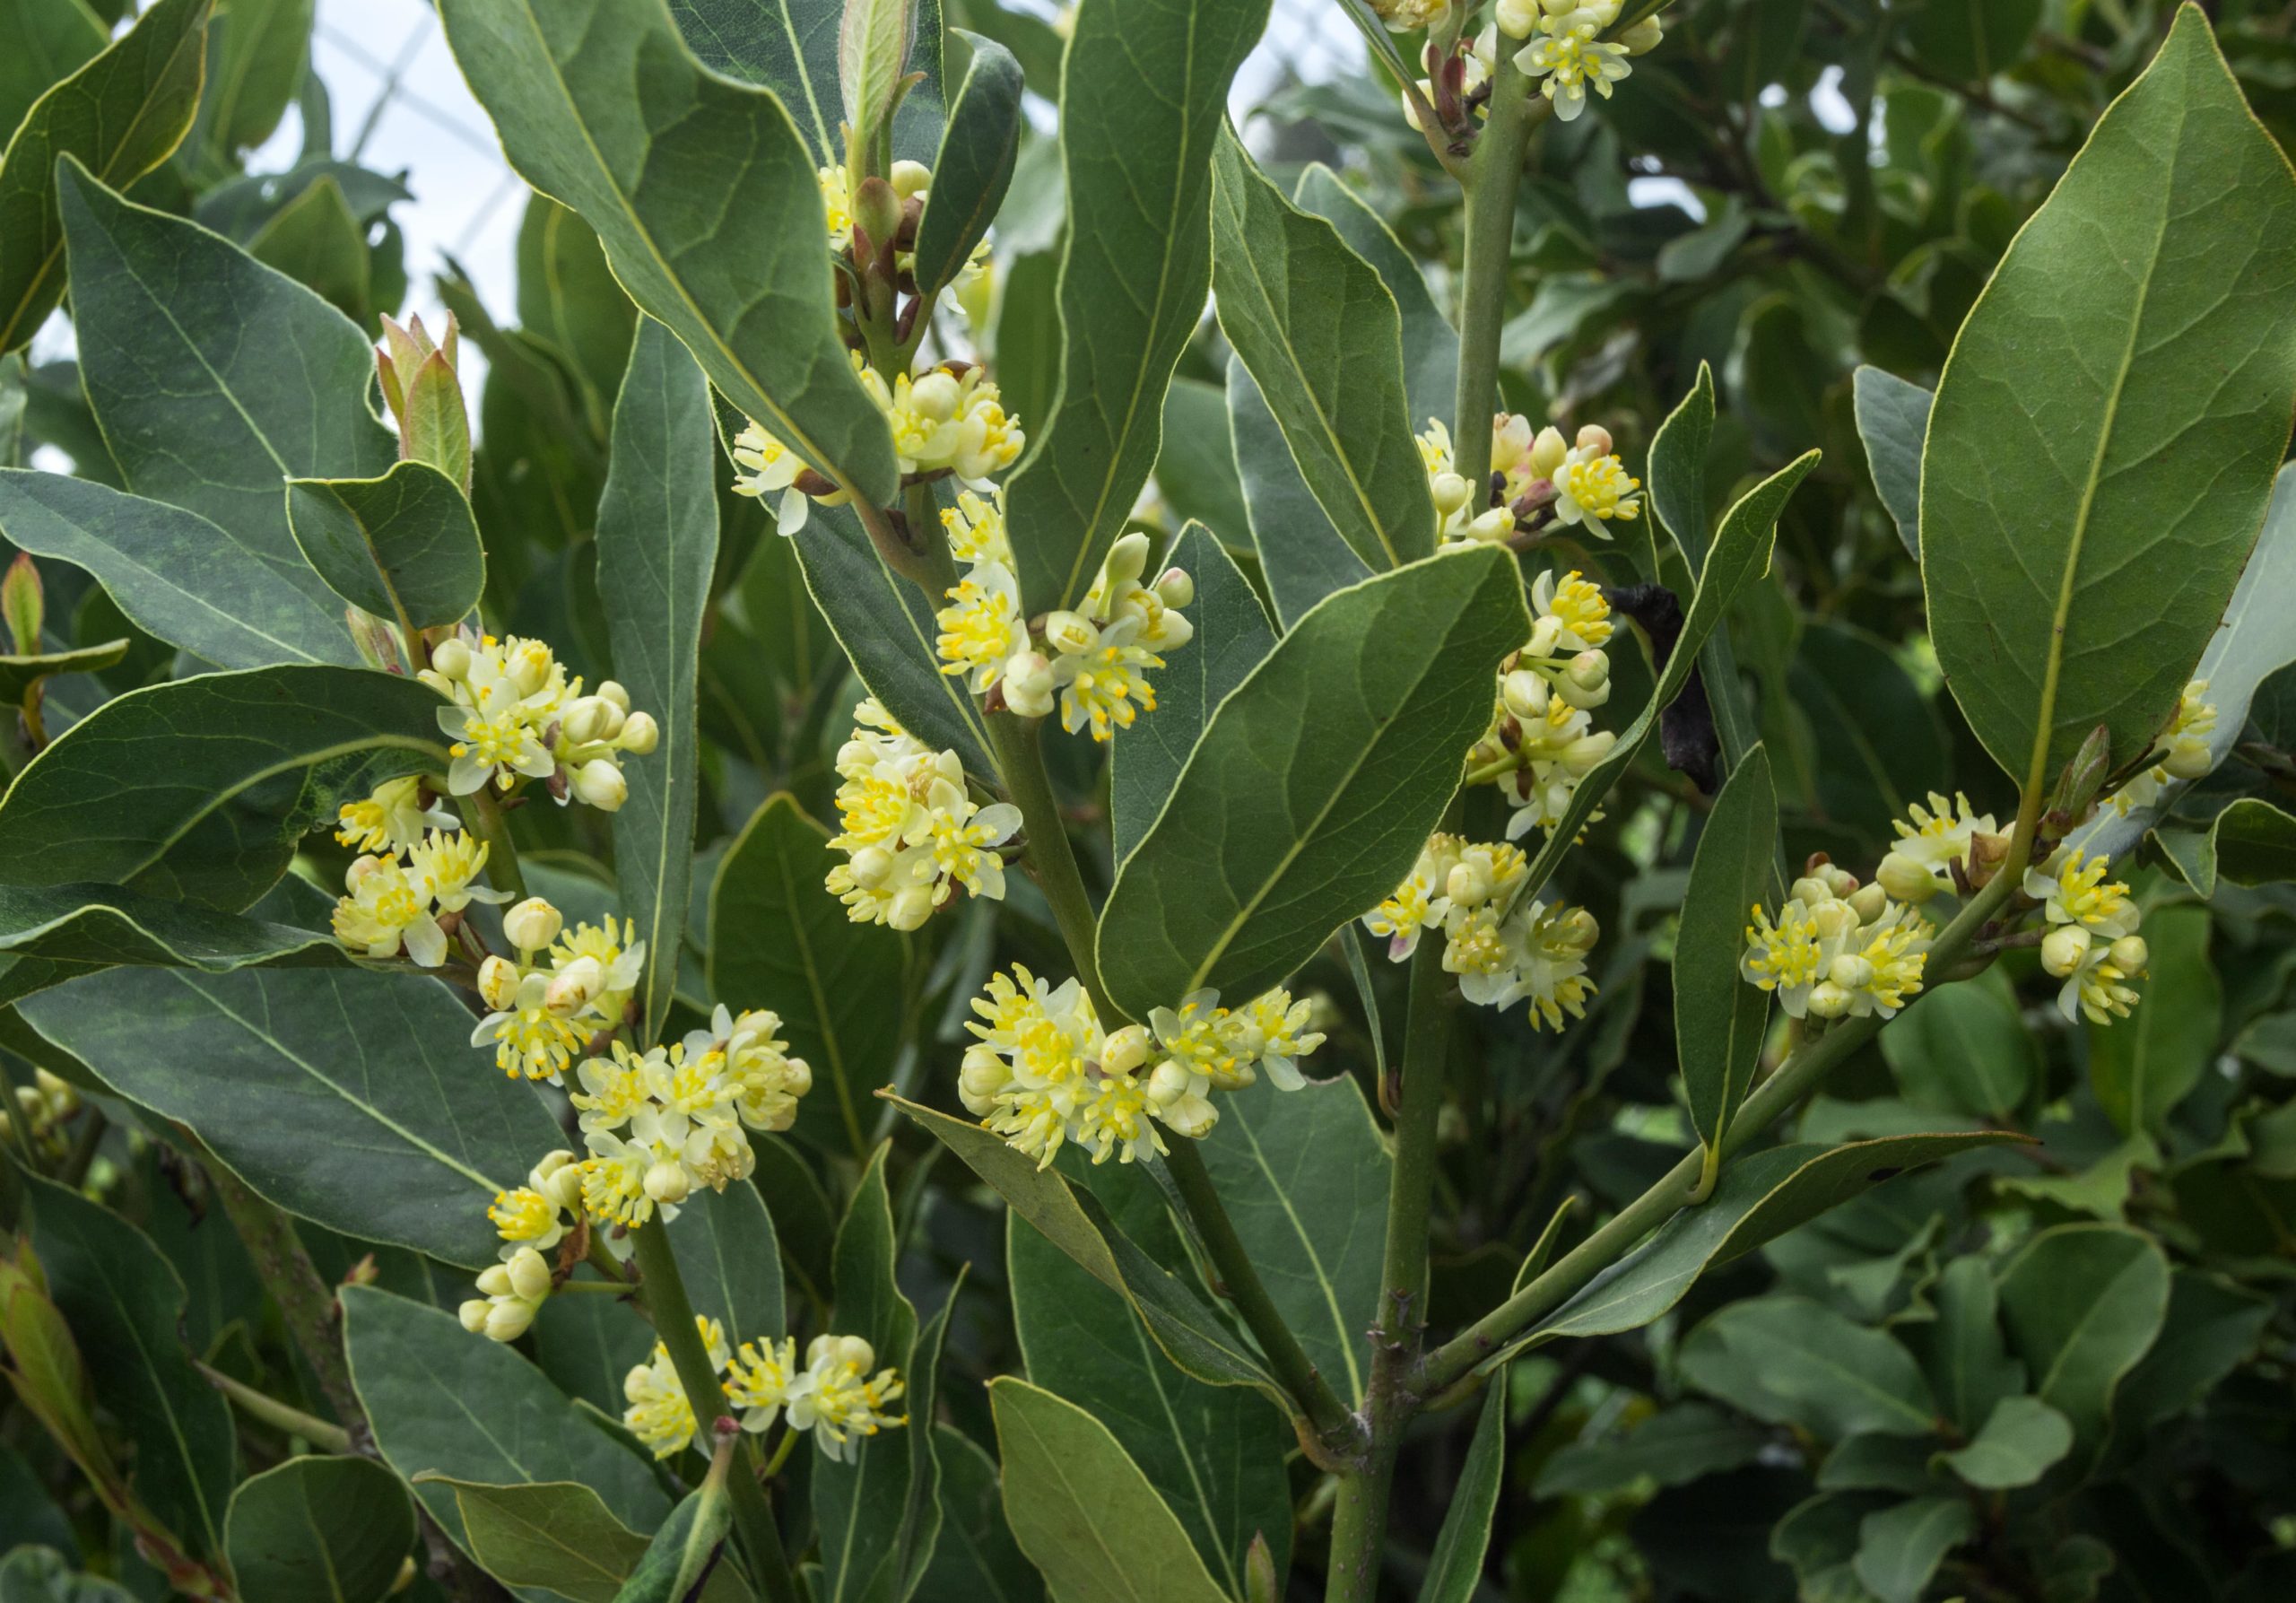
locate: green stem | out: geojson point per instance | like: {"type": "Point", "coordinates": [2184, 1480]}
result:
{"type": "Point", "coordinates": [1798, 1075]}
{"type": "Point", "coordinates": [1020, 763]}
{"type": "Point", "coordinates": [486, 818]}
{"type": "Point", "coordinates": [271, 1411]}
{"type": "Point", "coordinates": [672, 1311]}
{"type": "Point", "coordinates": [1491, 179]}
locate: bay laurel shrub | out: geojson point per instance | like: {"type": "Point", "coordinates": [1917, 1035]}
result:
{"type": "Point", "coordinates": [1053, 854]}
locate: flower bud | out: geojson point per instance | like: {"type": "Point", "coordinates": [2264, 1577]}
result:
{"type": "Point", "coordinates": [1168, 1083]}
{"type": "Point", "coordinates": [494, 1280]}
{"type": "Point", "coordinates": [1191, 1115]}
{"type": "Point", "coordinates": [1071, 634]}
{"type": "Point", "coordinates": [1595, 440]}
{"type": "Point", "coordinates": [2187, 760]}
{"type": "Point", "coordinates": [508, 1322]}
{"type": "Point", "coordinates": [1579, 932]}
{"type": "Point", "coordinates": [1028, 684]}
{"type": "Point", "coordinates": [1868, 902]}
{"type": "Point", "coordinates": [641, 733]}
{"type": "Point", "coordinates": [871, 866]}
{"type": "Point", "coordinates": [1545, 634]}
{"type": "Point", "coordinates": [498, 982]}
{"type": "Point", "coordinates": [1905, 879]}
{"type": "Point", "coordinates": [529, 666]}
{"type": "Point", "coordinates": [937, 396]}
{"type": "Point", "coordinates": [529, 1275]}
{"type": "Point", "coordinates": [910, 908]}
{"type": "Point", "coordinates": [1589, 670]}
{"type": "Point", "coordinates": [532, 925]}
{"type": "Point", "coordinates": [984, 1074]}
{"type": "Point", "coordinates": [1643, 37]}
{"type": "Point", "coordinates": [1579, 758]}
{"type": "Point", "coordinates": [910, 177]}
{"type": "Point", "coordinates": [1525, 694]}
{"type": "Point", "coordinates": [1469, 883]}
{"type": "Point", "coordinates": [473, 1314]}
{"type": "Point", "coordinates": [1516, 18]}
{"type": "Point", "coordinates": [451, 658]}
{"type": "Point", "coordinates": [2063, 950]}
{"type": "Point", "coordinates": [1126, 1050]}
{"type": "Point", "coordinates": [1849, 970]}
{"type": "Point", "coordinates": [1176, 589]}
{"type": "Point", "coordinates": [610, 690]}
{"type": "Point", "coordinates": [587, 720]}
{"type": "Point", "coordinates": [1840, 880]}
{"type": "Point", "coordinates": [1127, 560]}
{"type": "Point", "coordinates": [667, 1181]}
{"type": "Point", "coordinates": [1810, 890]}
{"type": "Point", "coordinates": [558, 1177]}
{"type": "Point", "coordinates": [1834, 918]}
{"type": "Point", "coordinates": [362, 866]}
{"type": "Point", "coordinates": [1548, 452]}
{"type": "Point", "coordinates": [856, 1353]}
{"type": "Point", "coordinates": [1492, 526]}
{"type": "Point", "coordinates": [1450, 493]}
{"type": "Point", "coordinates": [1829, 999]}
{"type": "Point", "coordinates": [573, 987]}
{"type": "Point", "coordinates": [599, 782]}
{"type": "Point", "coordinates": [2130, 955]}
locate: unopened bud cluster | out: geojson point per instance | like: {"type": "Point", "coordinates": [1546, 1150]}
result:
{"type": "Point", "coordinates": [2092, 945]}
{"type": "Point", "coordinates": [2184, 752]}
{"type": "Point", "coordinates": [1044, 1072]}
{"type": "Point", "coordinates": [839, 1394]}
{"type": "Point", "coordinates": [405, 901]}
{"type": "Point", "coordinates": [1542, 741]}
{"type": "Point", "coordinates": [912, 832]}
{"type": "Point", "coordinates": [1566, 54]}
{"type": "Point", "coordinates": [1837, 948]}
{"type": "Point", "coordinates": [41, 1110]}
{"type": "Point", "coordinates": [1538, 481]}
{"type": "Point", "coordinates": [563, 989]}
{"type": "Point", "coordinates": [1503, 948]}
{"type": "Point", "coordinates": [912, 183]}
{"type": "Point", "coordinates": [515, 716]}
{"type": "Point", "coordinates": [1092, 659]}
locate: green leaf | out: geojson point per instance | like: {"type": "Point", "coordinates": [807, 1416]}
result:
{"type": "Point", "coordinates": [120, 115]}
{"type": "Point", "coordinates": [1196, 463]}
{"type": "Point", "coordinates": [976, 1560]}
{"type": "Point", "coordinates": [600, 106]}
{"type": "Point", "coordinates": [445, 1403]}
{"type": "Point", "coordinates": [1431, 350]}
{"type": "Point", "coordinates": [974, 166]}
{"type": "Point", "coordinates": [2075, 567]}
{"type": "Point", "coordinates": [255, 760]}
{"type": "Point", "coordinates": [1881, 1464]}
{"type": "Point", "coordinates": [1134, 267]}
{"type": "Point", "coordinates": [1818, 1537]}
{"type": "Point", "coordinates": [349, 1098]}
{"type": "Point", "coordinates": [1962, 1350]}
{"type": "Point", "coordinates": [1971, 38]}
{"type": "Point", "coordinates": [731, 1260]}
{"type": "Point", "coordinates": [567, 294]}
{"type": "Point", "coordinates": [174, 574]}
{"type": "Point", "coordinates": [2148, 1062]}
{"type": "Point", "coordinates": [19, 674]}
{"type": "Point", "coordinates": [1303, 1175]}
{"type": "Point", "coordinates": [790, 47]}
{"type": "Point", "coordinates": [1900, 1549]}
{"type": "Point", "coordinates": [1454, 1568]}
{"type": "Point", "coordinates": [2021, 1438]}
{"type": "Point", "coordinates": [1322, 337]}
{"type": "Point", "coordinates": [318, 240]}
{"type": "Point", "coordinates": [658, 546]}
{"type": "Point", "coordinates": [1883, 746]}
{"type": "Point", "coordinates": [1300, 552]}
{"type": "Point", "coordinates": [1678, 470]}
{"type": "Point", "coordinates": [779, 938]}
{"type": "Point", "coordinates": [554, 1535]}
{"type": "Point", "coordinates": [1271, 839]}
{"type": "Point", "coordinates": [1963, 1049]}
{"type": "Point", "coordinates": [402, 546]}
{"type": "Point", "coordinates": [2250, 842]}
{"type": "Point", "coordinates": [1674, 1447]}
{"type": "Point", "coordinates": [1219, 1450]}
{"type": "Point", "coordinates": [319, 1529]}
{"type": "Point", "coordinates": [74, 930]}
{"type": "Point", "coordinates": [2212, 1327]}
{"type": "Point", "coordinates": [41, 42]}
{"type": "Point", "coordinates": [1789, 1360]}
{"type": "Point", "coordinates": [2083, 1303]}
{"type": "Point", "coordinates": [197, 413]}
{"type": "Point", "coordinates": [124, 1304]}
{"type": "Point", "coordinates": [39, 1575]}
{"type": "Point", "coordinates": [1720, 1019]}
{"type": "Point", "coordinates": [1892, 421]}
{"type": "Point", "coordinates": [1082, 1509]}
{"type": "Point", "coordinates": [257, 51]}
{"type": "Point", "coordinates": [1232, 636]}
{"type": "Point", "coordinates": [872, 54]}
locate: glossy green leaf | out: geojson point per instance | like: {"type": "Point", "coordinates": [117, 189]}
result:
{"type": "Point", "coordinates": [1962, 1349]}
{"type": "Point", "coordinates": [445, 1404]}
{"type": "Point", "coordinates": [1303, 1175]}
{"type": "Point", "coordinates": [557, 1534]}
{"type": "Point", "coordinates": [2021, 1439]}
{"type": "Point", "coordinates": [976, 1560]}
{"type": "Point", "coordinates": [600, 106]}
{"type": "Point", "coordinates": [658, 546]}
{"type": "Point", "coordinates": [1300, 552]}
{"type": "Point", "coordinates": [1787, 1359]}
{"type": "Point", "coordinates": [1720, 1019]}
{"type": "Point", "coordinates": [1454, 1568]}
{"type": "Point", "coordinates": [320, 1530]}
{"type": "Point", "coordinates": [318, 240]}
{"type": "Point", "coordinates": [1430, 349]}
{"type": "Point", "coordinates": [256, 760]}
{"type": "Point", "coordinates": [125, 1304]}
{"type": "Point", "coordinates": [568, 295]}
{"type": "Point", "coordinates": [41, 42]}
{"type": "Point", "coordinates": [1677, 1445]}
{"type": "Point", "coordinates": [2074, 569]}
{"type": "Point", "coordinates": [120, 115]}
{"type": "Point", "coordinates": [402, 546]}
{"type": "Point", "coordinates": [1322, 337]}
{"type": "Point", "coordinates": [1232, 636]}
{"type": "Point", "coordinates": [392, 1129]}
{"type": "Point", "coordinates": [1314, 784]}
{"type": "Point", "coordinates": [1892, 421]}
{"type": "Point", "coordinates": [1900, 1549]}
{"type": "Point", "coordinates": [2144, 1066]}
{"type": "Point", "coordinates": [974, 167]}
{"type": "Point", "coordinates": [1134, 267]}
{"type": "Point", "coordinates": [780, 940]}
{"type": "Point", "coordinates": [1963, 1049]}
{"type": "Point", "coordinates": [790, 47]}
{"type": "Point", "coordinates": [1082, 1509]}
{"type": "Point", "coordinates": [2083, 1303]}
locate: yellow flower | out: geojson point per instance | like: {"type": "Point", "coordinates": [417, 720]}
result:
{"type": "Point", "coordinates": [2073, 890]}
{"type": "Point", "coordinates": [659, 1414]}
{"type": "Point", "coordinates": [386, 910]}
{"type": "Point", "coordinates": [912, 830]}
{"type": "Point", "coordinates": [392, 819]}
{"type": "Point", "coordinates": [1568, 60]}
{"type": "Point", "coordinates": [838, 1399]}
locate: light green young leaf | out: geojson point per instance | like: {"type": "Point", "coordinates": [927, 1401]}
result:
{"type": "Point", "coordinates": [40, 44]}
{"type": "Point", "coordinates": [2083, 1303]}
{"type": "Point", "coordinates": [1900, 1549]}
{"type": "Point", "coordinates": [779, 938]}
{"type": "Point", "coordinates": [1455, 1569]}
{"type": "Point", "coordinates": [2088, 493]}
{"type": "Point", "coordinates": [1720, 1019]}
{"type": "Point", "coordinates": [1892, 421]}
{"type": "Point", "coordinates": [255, 761]}
{"type": "Point", "coordinates": [2021, 1439]}
{"type": "Point", "coordinates": [790, 47]}
{"type": "Point", "coordinates": [402, 546]}
{"type": "Point", "coordinates": [120, 115]}
{"type": "Point", "coordinates": [1789, 1360]}
{"type": "Point", "coordinates": [1314, 784]}
{"type": "Point", "coordinates": [320, 1530]}
{"type": "Point", "coordinates": [1082, 1509]}
{"type": "Point", "coordinates": [974, 167]}
{"type": "Point", "coordinates": [1134, 267]}
{"type": "Point", "coordinates": [872, 53]}
{"type": "Point", "coordinates": [1300, 552]}
{"type": "Point", "coordinates": [600, 106]}
{"type": "Point", "coordinates": [19, 674]}
{"type": "Point", "coordinates": [1322, 337]}
{"type": "Point", "coordinates": [348, 1098]}
{"type": "Point", "coordinates": [2144, 1066]}
{"type": "Point", "coordinates": [173, 573]}
{"type": "Point", "coordinates": [1233, 637]}
{"type": "Point", "coordinates": [196, 412]}
{"type": "Point", "coordinates": [658, 546]}
{"type": "Point", "coordinates": [1218, 1450]}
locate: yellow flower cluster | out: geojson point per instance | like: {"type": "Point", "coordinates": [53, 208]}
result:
{"type": "Point", "coordinates": [1542, 741]}
{"type": "Point", "coordinates": [1536, 953]}
{"type": "Point", "coordinates": [563, 989]}
{"type": "Point", "coordinates": [911, 832]}
{"type": "Point", "coordinates": [835, 1396]}
{"type": "Point", "coordinates": [1838, 949]}
{"type": "Point", "coordinates": [2184, 750]}
{"type": "Point", "coordinates": [1044, 1073]}
{"type": "Point", "coordinates": [1941, 835]}
{"type": "Point", "coordinates": [515, 716]}
{"type": "Point", "coordinates": [393, 818]}
{"type": "Point", "coordinates": [1536, 478]}
{"type": "Point", "coordinates": [1566, 52]}
{"type": "Point", "coordinates": [2092, 943]}
{"type": "Point", "coordinates": [399, 903]}
{"type": "Point", "coordinates": [1095, 659]}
